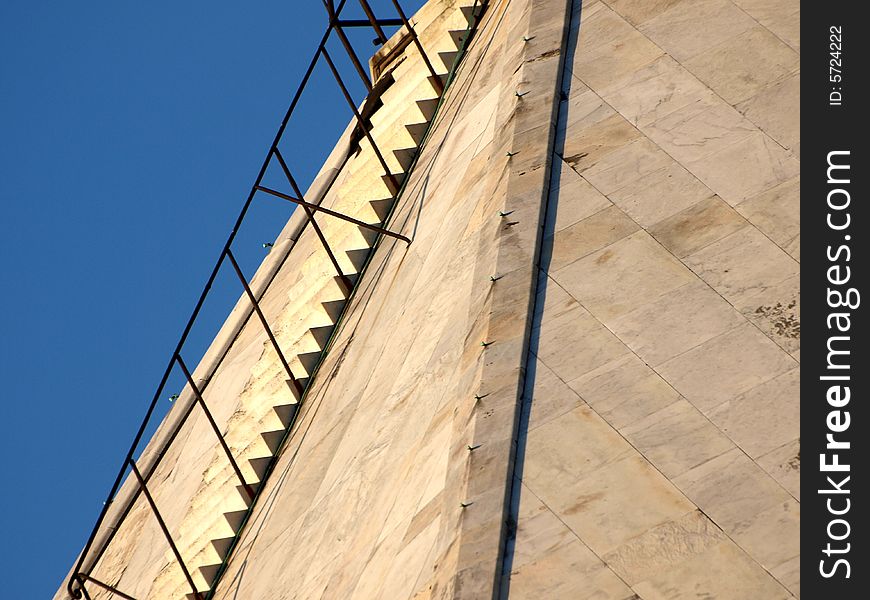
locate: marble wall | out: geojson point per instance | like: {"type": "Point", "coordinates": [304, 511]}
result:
{"type": "Point", "coordinates": [660, 453]}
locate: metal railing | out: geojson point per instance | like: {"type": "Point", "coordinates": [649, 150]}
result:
{"type": "Point", "coordinates": [94, 549]}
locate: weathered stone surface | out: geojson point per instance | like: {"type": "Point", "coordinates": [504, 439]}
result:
{"type": "Point", "coordinates": [762, 162]}
{"type": "Point", "coordinates": [590, 234]}
{"type": "Point", "coordinates": [655, 91]}
{"type": "Point", "coordinates": [610, 49]}
{"type": "Point", "coordinates": [681, 470]}
{"type": "Point", "coordinates": [743, 265]}
{"type": "Point", "coordinates": [726, 366]}
{"type": "Point", "coordinates": [692, 26]}
{"type": "Point", "coordinates": [605, 281]}
{"type": "Point", "coordinates": [764, 418]}
{"type": "Point", "coordinates": [723, 571]}
{"type": "Point", "coordinates": [676, 322]}
{"type": "Point", "coordinates": [698, 226]}
{"type": "Point", "coordinates": [784, 465]}
{"type": "Point", "coordinates": [651, 313]}
{"type": "Point", "coordinates": [553, 397]}
{"type": "Point", "coordinates": [579, 198]}
{"type": "Point", "coordinates": [598, 504]}
{"type": "Point", "coordinates": [664, 547]}
{"type": "Point", "coordinates": [776, 212]}
{"type": "Point", "coordinates": [698, 130]}
{"type": "Point", "coordinates": [782, 17]}
{"type": "Point", "coordinates": [625, 390]}
{"type": "Point", "coordinates": [677, 438]}
{"type": "Point", "coordinates": [740, 67]}
{"type": "Point", "coordinates": [777, 112]}
{"type": "Point", "coordinates": [643, 199]}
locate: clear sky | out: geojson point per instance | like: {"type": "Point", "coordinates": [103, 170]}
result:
{"type": "Point", "coordinates": [130, 134]}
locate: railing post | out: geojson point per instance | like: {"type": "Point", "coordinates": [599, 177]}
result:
{"type": "Point", "coordinates": [348, 47]}
{"type": "Point", "coordinates": [165, 529]}
{"type": "Point", "coordinates": [253, 299]}
{"type": "Point", "coordinates": [310, 215]}
{"type": "Point", "coordinates": [371, 16]}
{"type": "Point", "coordinates": [439, 85]}
{"type": "Point", "coordinates": [360, 121]}
{"type": "Point", "coordinates": [214, 426]}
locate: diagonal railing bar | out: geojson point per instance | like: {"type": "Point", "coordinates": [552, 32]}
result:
{"type": "Point", "coordinates": [88, 559]}
{"type": "Point", "coordinates": [293, 381]}
{"type": "Point", "coordinates": [310, 214]}
{"type": "Point", "coordinates": [376, 25]}
{"type": "Point", "coordinates": [359, 119]}
{"type": "Point", "coordinates": [106, 587]}
{"type": "Point", "coordinates": [214, 426]}
{"type": "Point", "coordinates": [147, 477]}
{"type": "Point", "coordinates": [351, 53]}
{"type": "Point", "coordinates": [436, 79]}
{"type": "Point", "coordinates": [165, 529]}
{"type": "Point", "coordinates": [323, 209]}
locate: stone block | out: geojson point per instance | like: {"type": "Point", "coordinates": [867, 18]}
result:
{"type": "Point", "coordinates": [660, 194]}
{"type": "Point", "coordinates": [623, 276]}
{"type": "Point", "coordinates": [725, 367]}
{"type": "Point", "coordinates": [677, 438]}
{"type": "Point", "coordinates": [676, 322]}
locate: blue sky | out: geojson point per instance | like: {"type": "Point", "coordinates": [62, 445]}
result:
{"type": "Point", "coordinates": [130, 134]}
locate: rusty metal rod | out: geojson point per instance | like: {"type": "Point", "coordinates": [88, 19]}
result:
{"type": "Point", "coordinates": [348, 47]}
{"type": "Point", "coordinates": [375, 23]}
{"type": "Point", "coordinates": [439, 85]}
{"type": "Point", "coordinates": [333, 213]}
{"type": "Point", "coordinates": [310, 215]}
{"type": "Point", "coordinates": [215, 427]}
{"type": "Point", "coordinates": [105, 586]}
{"type": "Point", "coordinates": [256, 304]}
{"type": "Point", "coordinates": [165, 529]}
{"type": "Point", "coordinates": [367, 23]}
{"type": "Point", "coordinates": [360, 121]}
{"type": "Point", "coordinates": [81, 590]}
{"type": "Point", "coordinates": [357, 65]}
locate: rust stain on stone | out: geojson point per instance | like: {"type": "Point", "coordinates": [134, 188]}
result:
{"type": "Point", "coordinates": [605, 256]}
{"type": "Point", "coordinates": [546, 55]}
{"type": "Point", "coordinates": [782, 318]}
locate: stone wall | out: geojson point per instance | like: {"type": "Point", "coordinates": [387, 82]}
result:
{"type": "Point", "coordinates": [660, 450]}
{"type": "Point", "coordinates": [395, 483]}
{"type": "Point", "coordinates": [579, 380]}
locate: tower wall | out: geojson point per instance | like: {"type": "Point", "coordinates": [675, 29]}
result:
{"type": "Point", "coordinates": [395, 483]}
{"type": "Point", "coordinates": [660, 448]}
{"type": "Point", "coordinates": [579, 379]}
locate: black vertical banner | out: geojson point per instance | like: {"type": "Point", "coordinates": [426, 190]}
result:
{"type": "Point", "coordinates": [834, 367]}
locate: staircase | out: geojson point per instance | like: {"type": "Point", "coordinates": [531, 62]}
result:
{"type": "Point", "coordinates": [364, 192]}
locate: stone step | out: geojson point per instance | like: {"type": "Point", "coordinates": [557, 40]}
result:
{"type": "Point", "coordinates": [273, 440]}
